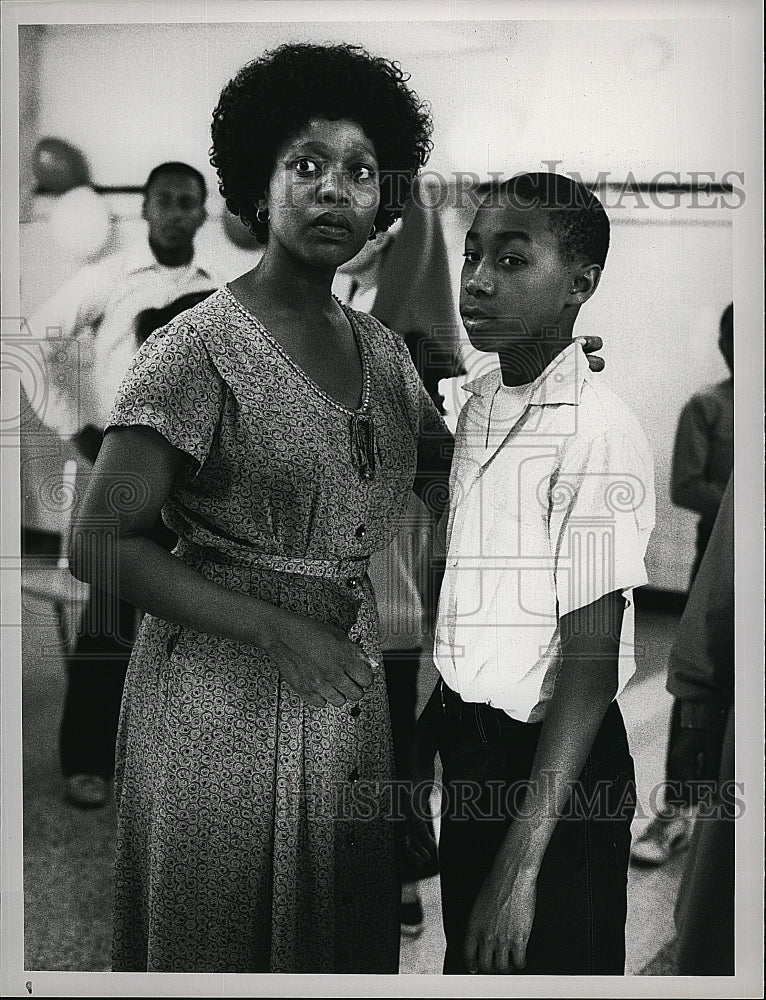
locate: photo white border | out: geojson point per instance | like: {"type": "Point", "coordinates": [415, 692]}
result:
{"type": "Point", "coordinates": [747, 18]}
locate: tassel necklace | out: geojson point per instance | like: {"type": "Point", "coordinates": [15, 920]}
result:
{"type": "Point", "coordinates": [363, 445]}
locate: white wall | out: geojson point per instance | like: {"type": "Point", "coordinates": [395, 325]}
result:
{"type": "Point", "coordinates": [599, 96]}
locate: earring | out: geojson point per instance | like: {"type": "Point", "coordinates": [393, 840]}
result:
{"type": "Point", "coordinates": [262, 219]}
{"type": "Point", "coordinates": [373, 233]}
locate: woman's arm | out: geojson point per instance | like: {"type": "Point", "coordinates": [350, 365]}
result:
{"type": "Point", "coordinates": [132, 478]}
{"type": "Point", "coordinates": [502, 916]}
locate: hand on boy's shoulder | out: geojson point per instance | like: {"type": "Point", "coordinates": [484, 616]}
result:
{"type": "Point", "coordinates": [589, 345]}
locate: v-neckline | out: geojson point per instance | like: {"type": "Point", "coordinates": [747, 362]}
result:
{"type": "Point", "coordinates": [300, 371]}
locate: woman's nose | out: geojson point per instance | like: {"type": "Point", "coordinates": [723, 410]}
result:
{"type": "Point", "coordinates": [333, 186]}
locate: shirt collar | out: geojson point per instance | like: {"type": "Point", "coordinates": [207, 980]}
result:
{"type": "Point", "coordinates": [560, 382]}
{"type": "Point", "coordinates": [139, 257]}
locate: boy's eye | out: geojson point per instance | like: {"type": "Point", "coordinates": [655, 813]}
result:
{"type": "Point", "coordinates": [305, 166]}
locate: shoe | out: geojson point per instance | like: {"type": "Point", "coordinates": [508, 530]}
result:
{"type": "Point", "coordinates": [412, 918]}
{"type": "Point", "coordinates": [663, 838]}
{"type": "Point", "coordinates": [87, 791]}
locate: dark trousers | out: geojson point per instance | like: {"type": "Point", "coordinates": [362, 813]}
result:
{"type": "Point", "coordinates": [95, 679]}
{"type": "Point", "coordinates": [401, 669]}
{"type": "Point", "coordinates": [96, 676]}
{"type": "Point", "coordinates": [579, 925]}
{"type": "Point", "coordinates": [680, 793]}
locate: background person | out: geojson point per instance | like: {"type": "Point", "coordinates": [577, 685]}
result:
{"type": "Point", "coordinates": [92, 332]}
{"type": "Point", "coordinates": [703, 460]}
{"type": "Point", "coordinates": [701, 677]}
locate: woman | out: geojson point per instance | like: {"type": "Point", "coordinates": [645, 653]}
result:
{"type": "Point", "coordinates": [280, 435]}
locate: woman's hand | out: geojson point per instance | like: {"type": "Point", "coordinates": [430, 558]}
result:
{"type": "Point", "coordinates": [589, 345]}
{"type": "Point", "coordinates": [319, 662]}
{"type": "Point", "coordinates": [501, 921]}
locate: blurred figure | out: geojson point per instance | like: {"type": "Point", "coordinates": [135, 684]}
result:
{"type": "Point", "coordinates": [99, 319]}
{"type": "Point", "coordinates": [703, 459]}
{"type": "Point", "coordinates": [701, 676]}
{"type": "Point", "coordinates": [402, 278]}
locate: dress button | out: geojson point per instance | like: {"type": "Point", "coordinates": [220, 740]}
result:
{"type": "Point", "coordinates": [354, 775]}
{"type": "Point", "coordinates": [361, 531]}
{"type": "Point", "coordinates": [353, 582]}
{"type": "Point", "coordinates": [355, 710]}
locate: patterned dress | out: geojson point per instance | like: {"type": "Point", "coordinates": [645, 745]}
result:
{"type": "Point", "coordinates": [252, 829]}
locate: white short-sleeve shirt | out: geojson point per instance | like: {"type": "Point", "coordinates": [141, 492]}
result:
{"type": "Point", "coordinates": [83, 338]}
{"type": "Point", "coordinates": [551, 508]}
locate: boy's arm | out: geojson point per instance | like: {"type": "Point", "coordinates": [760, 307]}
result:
{"type": "Point", "coordinates": [501, 919]}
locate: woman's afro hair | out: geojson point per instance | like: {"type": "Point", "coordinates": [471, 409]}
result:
{"type": "Point", "coordinates": [273, 97]}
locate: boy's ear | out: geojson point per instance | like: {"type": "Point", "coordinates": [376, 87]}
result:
{"type": "Point", "coordinates": [585, 282]}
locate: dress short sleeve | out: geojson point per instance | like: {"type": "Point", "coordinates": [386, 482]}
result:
{"type": "Point", "coordinates": [173, 387]}
{"type": "Point", "coordinates": [602, 514]}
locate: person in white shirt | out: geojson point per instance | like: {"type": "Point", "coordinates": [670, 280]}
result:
{"type": "Point", "coordinates": [85, 337]}
{"type": "Point", "coordinates": [551, 508]}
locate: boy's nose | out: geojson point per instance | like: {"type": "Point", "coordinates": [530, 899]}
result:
{"type": "Point", "coordinates": [479, 283]}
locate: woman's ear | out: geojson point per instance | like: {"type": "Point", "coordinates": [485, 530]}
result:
{"type": "Point", "coordinates": [585, 282]}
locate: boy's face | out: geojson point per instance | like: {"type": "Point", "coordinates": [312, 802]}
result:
{"type": "Point", "coordinates": [515, 285]}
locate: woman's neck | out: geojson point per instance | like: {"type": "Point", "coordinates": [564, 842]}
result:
{"type": "Point", "coordinates": [291, 284]}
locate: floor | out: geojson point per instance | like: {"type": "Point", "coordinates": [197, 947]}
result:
{"type": "Point", "coordinates": [68, 852]}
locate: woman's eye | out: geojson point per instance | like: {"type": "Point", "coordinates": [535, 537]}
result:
{"type": "Point", "coordinates": [471, 256]}
{"type": "Point", "coordinates": [362, 173]}
{"type": "Point", "coordinates": [305, 166]}
{"type": "Point", "coordinates": [512, 260]}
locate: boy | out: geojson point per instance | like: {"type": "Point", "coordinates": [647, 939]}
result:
{"type": "Point", "coordinates": [551, 507]}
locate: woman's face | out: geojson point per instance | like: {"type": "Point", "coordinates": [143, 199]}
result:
{"type": "Point", "coordinates": [323, 193]}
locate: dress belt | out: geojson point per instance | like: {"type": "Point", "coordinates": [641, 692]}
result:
{"type": "Point", "coordinates": [348, 569]}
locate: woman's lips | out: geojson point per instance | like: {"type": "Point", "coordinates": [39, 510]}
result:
{"type": "Point", "coordinates": [331, 232]}
{"type": "Point", "coordinates": [332, 226]}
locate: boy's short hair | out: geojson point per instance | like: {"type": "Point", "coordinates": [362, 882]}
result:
{"type": "Point", "coordinates": [576, 215]}
{"type": "Point", "coordinates": [176, 169]}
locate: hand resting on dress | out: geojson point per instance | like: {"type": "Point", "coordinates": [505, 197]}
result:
{"type": "Point", "coordinates": [111, 548]}
{"type": "Point", "coordinates": [319, 662]}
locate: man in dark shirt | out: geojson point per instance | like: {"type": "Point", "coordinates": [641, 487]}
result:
{"type": "Point", "coordinates": [703, 460]}
{"type": "Point", "coordinates": [703, 457]}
